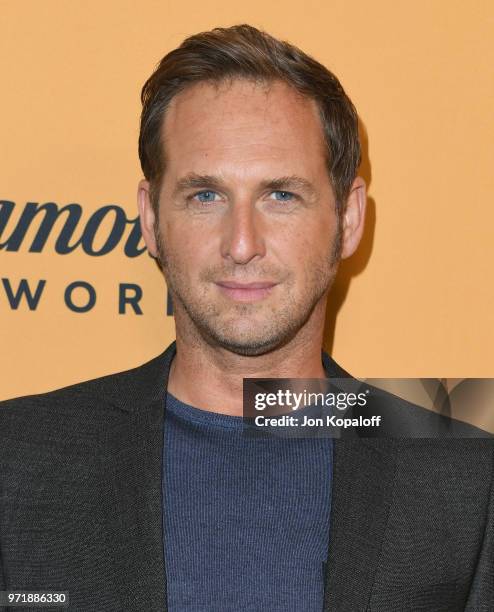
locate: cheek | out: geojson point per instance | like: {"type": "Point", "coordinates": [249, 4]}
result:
{"type": "Point", "coordinates": [324, 235]}
{"type": "Point", "coordinates": [187, 250]}
{"type": "Point", "coordinates": [310, 241]}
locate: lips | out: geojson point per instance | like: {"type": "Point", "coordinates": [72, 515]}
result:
{"type": "Point", "coordinates": [255, 285]}
{"type": "Point", "coordinates": [246, 292]}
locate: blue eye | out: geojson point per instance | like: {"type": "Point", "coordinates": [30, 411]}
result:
{"type": "Point", "coordinates": [206, 196]}
{"type": "Point", "coordinates": [284, 196]}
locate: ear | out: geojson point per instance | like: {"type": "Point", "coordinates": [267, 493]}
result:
{"type": "Point", "coordinates": [354, 217]}
{"type": "Point", "coordinates": [146, 217]}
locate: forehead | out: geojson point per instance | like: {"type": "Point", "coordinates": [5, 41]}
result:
{"type": "Point", "coordinates": [243, 123]}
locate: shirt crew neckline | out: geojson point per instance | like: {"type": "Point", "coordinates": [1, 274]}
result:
{"type": "Point", "coordinates": [201, 416]}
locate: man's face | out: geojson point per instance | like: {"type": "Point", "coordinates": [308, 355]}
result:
{"type": "Point", "coordinates": [247, 225]}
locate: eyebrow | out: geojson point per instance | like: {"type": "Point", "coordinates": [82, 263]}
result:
{"type": "Point", "coordinates": [207, 181]}
{"type": "Point", "coordinates": [198, 181]}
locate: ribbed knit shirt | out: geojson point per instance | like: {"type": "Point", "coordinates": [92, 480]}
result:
{"type": "Point", "coordinates": [246, 520]}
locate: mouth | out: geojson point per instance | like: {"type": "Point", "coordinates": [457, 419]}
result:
{"type": "Point", "coordinates": [246, 292]}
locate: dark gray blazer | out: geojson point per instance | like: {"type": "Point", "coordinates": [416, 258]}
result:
{"type": "Point", "coordinates": [412, 521]}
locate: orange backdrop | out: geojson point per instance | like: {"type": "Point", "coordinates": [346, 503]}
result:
{"type": "Point", "coordinates": [417, 298]}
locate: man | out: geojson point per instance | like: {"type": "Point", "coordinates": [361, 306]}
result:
{"type": "Point", "coordinates": [138, 491]}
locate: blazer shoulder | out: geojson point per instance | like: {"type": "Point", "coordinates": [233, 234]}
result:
{"type": "Point", "coordinates": [95, 399]}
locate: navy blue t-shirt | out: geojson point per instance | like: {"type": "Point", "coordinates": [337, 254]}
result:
{"type": "Point", "coordinates": [246, 521]}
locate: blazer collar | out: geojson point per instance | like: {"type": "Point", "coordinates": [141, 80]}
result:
{"type": "Point", "coordinates": [138, 387]}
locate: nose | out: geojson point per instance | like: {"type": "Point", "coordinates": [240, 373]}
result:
{"type": "Point", "coordinates": [243, 238]}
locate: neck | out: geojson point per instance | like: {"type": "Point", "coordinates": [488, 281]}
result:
{"type": "Point", "coordinates": [211, 377]}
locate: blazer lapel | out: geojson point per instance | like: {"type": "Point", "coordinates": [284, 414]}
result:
{"type": "Point", "coordinates": [136, 536]}
{"type": "Point", "coordinates": [362, 487]}
{"type": "Point", "coordinates": [133, 479]}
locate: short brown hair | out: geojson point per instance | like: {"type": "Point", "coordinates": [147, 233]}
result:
{"type": "Point", "coordinates": [243, 51]}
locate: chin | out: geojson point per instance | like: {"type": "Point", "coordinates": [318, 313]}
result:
{"type": "Point", "coordinates": [247, 350]}
{"type": "Point", "coordinates": [249, 344]}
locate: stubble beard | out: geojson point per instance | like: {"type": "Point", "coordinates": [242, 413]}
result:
{"type": "Point", "coordinates": [243, 333]}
